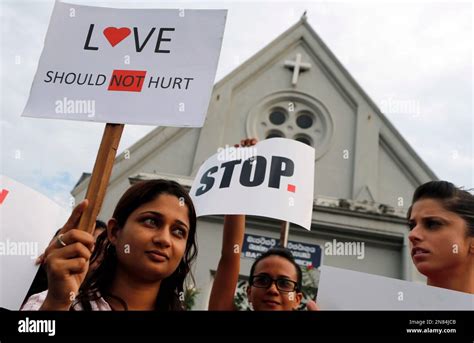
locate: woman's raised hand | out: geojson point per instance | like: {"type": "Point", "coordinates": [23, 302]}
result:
{"type": "Point", "coordinates": [67, 261]}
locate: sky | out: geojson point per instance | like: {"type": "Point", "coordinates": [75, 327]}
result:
{"type": "Point", "coordinates": [414, 59]}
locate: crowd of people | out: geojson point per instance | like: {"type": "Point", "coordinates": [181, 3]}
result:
{"type": "Point", "coordinates": [141, 258]}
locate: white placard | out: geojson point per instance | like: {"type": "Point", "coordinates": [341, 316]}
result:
{"type": "Point", "coordinates": [273, 179]}
{"type": "Point", "coordinates": [127, 66]}
{"type": "Point", "coordinates": [28, 221]}
{"type": "Point", "coordinates": [341, 289]}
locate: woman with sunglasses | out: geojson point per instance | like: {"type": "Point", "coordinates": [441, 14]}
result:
{"type": "Point", "coordinates": [275, 278]}
{"type": "Point", "coordinates": [275, 282]}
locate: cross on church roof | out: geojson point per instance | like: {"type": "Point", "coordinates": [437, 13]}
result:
{"type": "Point", "coordinates": [297, 66]}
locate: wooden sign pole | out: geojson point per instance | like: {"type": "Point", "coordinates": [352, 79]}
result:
{"type": "Point", "coordinates": [101, 174]}
{"type": "Point", "coordinates": [285, 228]}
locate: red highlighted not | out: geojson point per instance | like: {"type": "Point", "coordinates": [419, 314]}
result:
{"type": "Point", "coordinates": [127, 80]}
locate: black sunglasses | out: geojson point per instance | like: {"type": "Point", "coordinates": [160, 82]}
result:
{"type": "Point", "coordinates": [265, 281]}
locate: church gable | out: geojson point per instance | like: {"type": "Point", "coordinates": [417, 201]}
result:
{"type": "Point", "coordinates": [270, 98]}
{"type": "Point", "coordinates": [295, 88]}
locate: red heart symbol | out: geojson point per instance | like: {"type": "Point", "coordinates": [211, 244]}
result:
{"type": "Point", "coordinates": [115, 36]}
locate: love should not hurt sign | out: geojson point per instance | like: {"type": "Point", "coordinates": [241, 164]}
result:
{"type": "Point", "coordinates": [274, 179]}
{"type": "Point", "coordinates": [127, 66]}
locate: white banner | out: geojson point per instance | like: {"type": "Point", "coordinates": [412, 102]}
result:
{"type": "Point", "coordinates": [28, 221]}
{"type": "Point", "coordinates": [341, 289]}
{"type": "Point", "coordinates": [273, 179]}
{"type": "Point", "coordinates": [127, 66]}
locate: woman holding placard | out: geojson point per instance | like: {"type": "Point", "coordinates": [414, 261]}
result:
{"type": "Point", "coordinates": [151, 245]}
{"type": "Point", "coordinates": [441, 220]}
{"type": "Point", "coordinates": [275, 278]}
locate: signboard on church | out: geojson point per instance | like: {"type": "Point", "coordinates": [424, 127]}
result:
{"type": "Point", "coordinates": [28, 221]}
{"type": "Point", "coordinates": [305, 254]}
{"type": "Point", "coordinates": [336, 291]}
{"type": "Point", "coordinates": [274, 179]}
{"type": "Point", "coordinates": [127, 66]}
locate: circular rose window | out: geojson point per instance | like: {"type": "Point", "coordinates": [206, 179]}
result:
{"type": "Point", "coordinates": [294, 115]}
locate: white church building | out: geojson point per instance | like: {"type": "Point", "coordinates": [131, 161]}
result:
{"type": "Point", "coordinates": [365, 172]}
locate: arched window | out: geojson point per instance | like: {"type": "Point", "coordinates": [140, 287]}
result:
{"type": "Point", "coordinates": [292, 115]}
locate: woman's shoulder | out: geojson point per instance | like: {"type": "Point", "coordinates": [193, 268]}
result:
{"type": "Point", "coordinates": [34, 302]}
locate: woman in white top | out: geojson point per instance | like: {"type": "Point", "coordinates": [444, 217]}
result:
{"type": "Point", "coordinates": [144, 262]}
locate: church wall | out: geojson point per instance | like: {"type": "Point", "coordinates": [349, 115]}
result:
{"type": "Point", "coordinates": [173, 158]}
{"type": "Point", "coordinates": [394, 187]}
